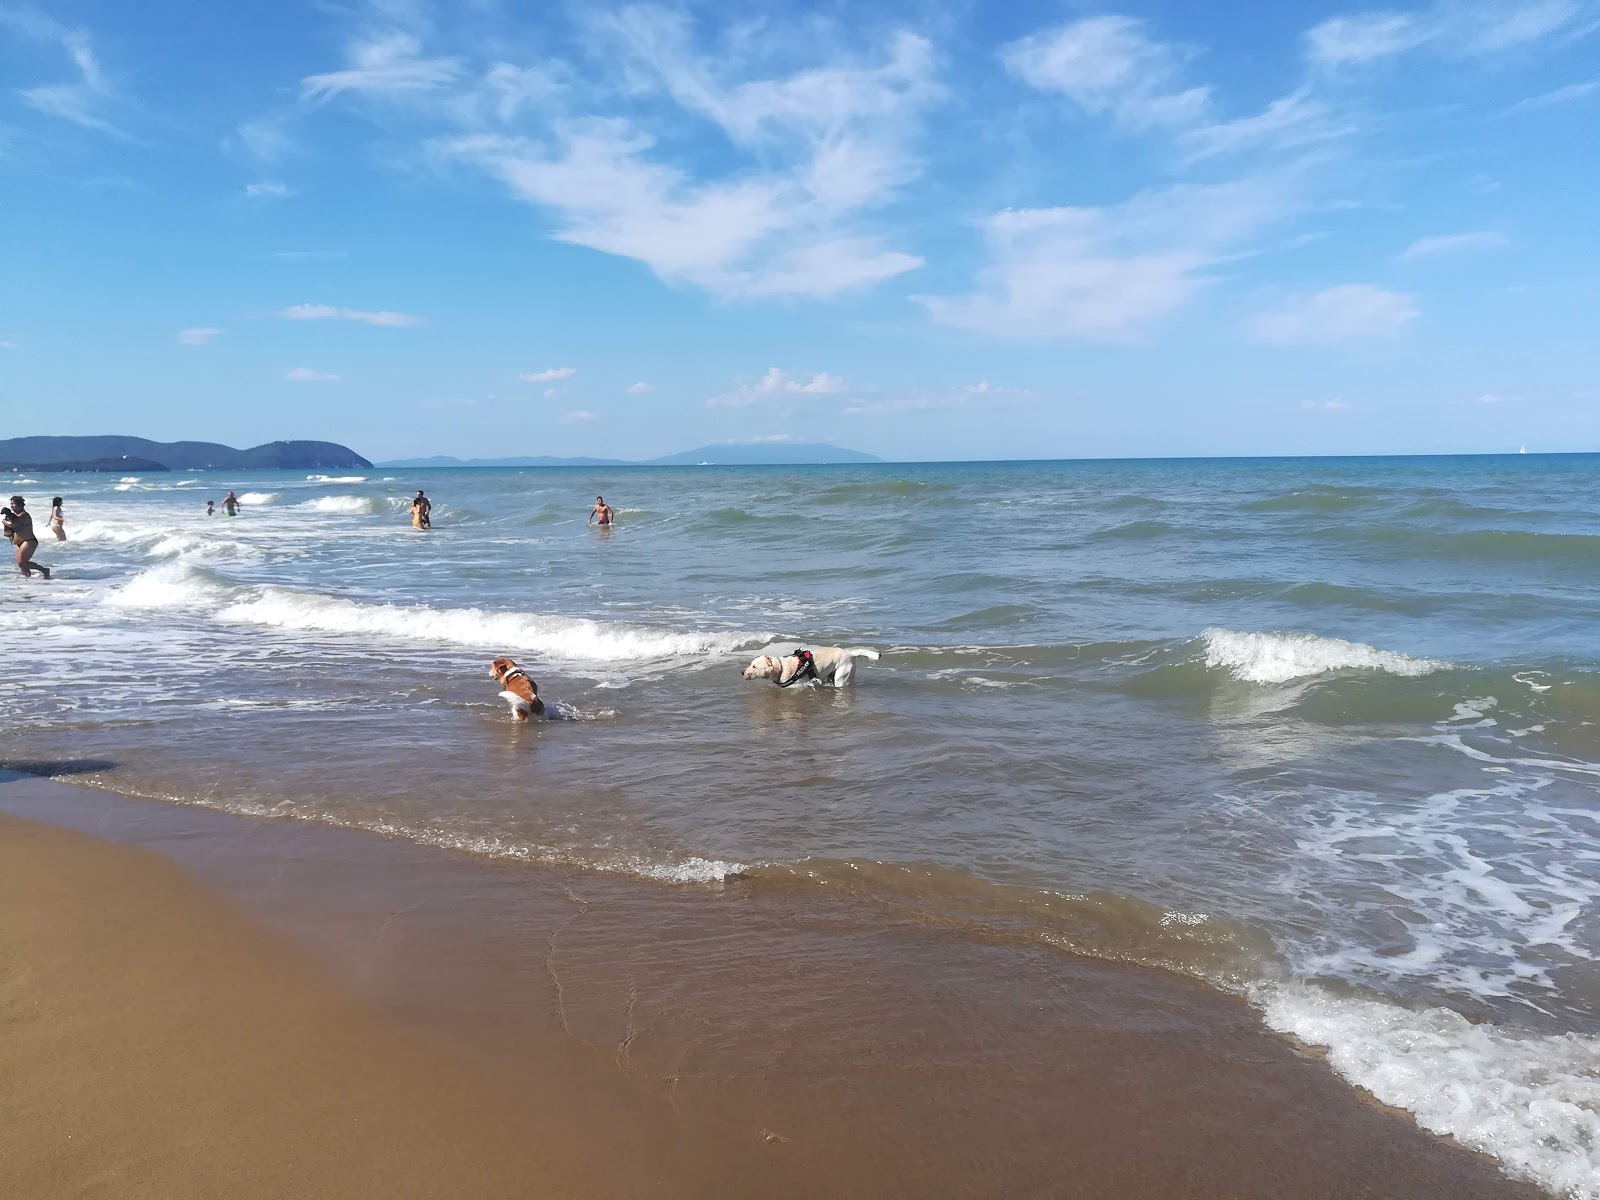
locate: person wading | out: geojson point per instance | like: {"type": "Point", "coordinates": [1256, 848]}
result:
{"type": "Point", "coordinates": [18, 526]}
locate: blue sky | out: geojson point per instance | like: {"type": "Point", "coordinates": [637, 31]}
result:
{"type": "Point", "coordinates": [923, 230]}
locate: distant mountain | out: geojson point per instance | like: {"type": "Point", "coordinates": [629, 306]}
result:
{"type": "Point", "coordinates": [540, 460]}
{"type": "Point", "coordinates": [764, 454]}
{"type": "Point", "coordinates": [726, 454]}
{"type": "Point", "coordinates": [45, 453]}
{"type": "Point", "coordinates": [74, 465]}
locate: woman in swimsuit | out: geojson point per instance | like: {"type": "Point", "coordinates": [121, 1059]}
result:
{"type": "Point", "coordinates": [18, 527]}
{"type": "Point", "coordinates": [58, 523]}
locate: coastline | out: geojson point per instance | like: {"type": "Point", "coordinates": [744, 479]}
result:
{"type": "Point", "coordinates": [274, 1008]}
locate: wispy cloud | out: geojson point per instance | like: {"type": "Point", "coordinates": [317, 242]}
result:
{"type": "Point", "coordinates": [385, 63]}
{"type": "Point", "coordinates": [266, 189]}
{"type": "Point", "coordinates": [1569, 94]}
{"type": "Point", "coordinates": [264, 140]}
{"type": "Point", "coordinates": [1336, 314]}
{"type": "Point", "coordinates": [982, 394]}
{"type": "Point", "coordinates": [1107, 274]}
{"type": "Point", "coordinates": [777, 382]}
{"type": "Point", "coordinates": [1453, 243]}
{"type": "Point", "coordinates": [1334, 405]}
{"type": "Point", "coordinates": [1457, 28]}
{"type": "Point", "coordinates": [308, 375]}
{"type": "Point", "coordinates": [79, 101]}
{"type": "Point", "coordinates": [327, 312]}
{"type": "Point", "coordinates": [808, 155]}
{"type": "Point", "coordinates": [549, 376]}
{"type": "Point", "coordinates": [200, 335]}
{"type": "Point", "coordinates": [1111, 66]}
{"type": "Point", "coordinates": [765, 439]}
{"type": "Point", "coordinates": [579, 416]}
{"type": "Point", "coordinates": [639, 389]}
{"type": "Point", "coordinates": [8, 344]}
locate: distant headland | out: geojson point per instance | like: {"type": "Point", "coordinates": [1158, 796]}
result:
{"type": "Point", "coordinates": [724, 454]}
{"type": "Point", "coordinates": [112, 453]}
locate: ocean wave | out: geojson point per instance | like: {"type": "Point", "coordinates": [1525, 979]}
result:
{"type": "Point", "coordinates": [1319, 500]}
{"type": "Point", "coordinates": [260, 498]}
{"type": "Point", "coordinates": [1503, 545]}
{"type": "Point", "coordinates": [346, 505]}
{"type": "Point", "coordinates": [336, 478]}
{"type": "Point", "coordinates": [1532, 1101]}
{"type": "Point", "coordinates": [572, 639]}
{"type": "Point", "coordinates": [1282, 657]}
{"type": "Point", "coordinates": [891, 489]}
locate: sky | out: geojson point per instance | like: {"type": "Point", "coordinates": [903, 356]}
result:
{"type": "Point", "coordinates": [930, 231]}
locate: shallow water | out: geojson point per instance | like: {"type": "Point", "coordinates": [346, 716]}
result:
{"type": "Point", "coordinates": [1321, 731]}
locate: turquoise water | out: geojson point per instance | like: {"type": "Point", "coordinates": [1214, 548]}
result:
{"type": "Point", "coordinates": [1320, 731]}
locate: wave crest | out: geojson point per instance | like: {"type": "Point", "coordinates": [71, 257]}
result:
{"type": "Point", "coordinates": [1282, 657]}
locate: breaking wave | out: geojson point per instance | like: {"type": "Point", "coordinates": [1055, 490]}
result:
{"type": "Point", "coordinates": [351, 505]}
{"type": "Point", "coordinates": [573, 639]}
{"type": "Point", "coordinates": [260, 498]}
{"type": "Point", "coordinates": [1282, 657]}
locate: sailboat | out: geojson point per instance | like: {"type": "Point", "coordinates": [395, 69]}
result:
{"type": "Point", "coordinates": [1523, 450]}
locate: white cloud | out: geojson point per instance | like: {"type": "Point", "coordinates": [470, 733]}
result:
{"type": "Point", "coordinates": [1459, 28]}
{"type": "Point", "coordinates": [639, 389]}
{"type": "Point", "coordinates": [777, 382]}
{"type": "Point", "coordinates": [982, 394]}
{"type": "Point", "coordinates": [327, 312]}
{"type": "Point", "coordinates": [549, 376]}
{"type": "Point", "coordinates": [7, 344]}
{"type": "Point", "coordinates": [579, 416]}
{"type": "Point", "coordinates": [1491, 398]}
{"type": "Point", "coordinates": [1334, 405]}
{"type": "Point", "coordinates": [308, 375]}
{"type": "Point", "coordinates": [79, 100]}
{"type": "Point", "coordinates": [1110, 66]}
{"type": "Point", "coordinates": [1106, 274]}
{"type": "Point", "coordinates": [1451, 243]}
{"type": "Point", "coordinates": [386, 63]}
{"type": "Point", "coordinates": [266, 189]}
{"type": "Point", "coordinates": [264, 140]}
{"type": "Point", "coordinates": [765, 439]}
{"type": "Point", "coordinates": [551, 393]}
{"type": "Point", "coordinates": [1362, 38]}
{"type": "Point", "coordinates": [200, 335]}
{"type": "Point", "coordinates": [1335, 314]}
{"type": "Point", "coordinates": [1569, 94]}
{"type": "Point", "coordinates": [1287, 123]}
{"type": "Point", "coordinates": [811, 152]}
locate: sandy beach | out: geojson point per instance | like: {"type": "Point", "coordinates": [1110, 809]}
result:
{"type": "Point", "coordinates": [196, 1003]}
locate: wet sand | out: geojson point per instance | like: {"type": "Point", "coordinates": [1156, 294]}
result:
{"type": "Point", "coordinates": [194, 1004]}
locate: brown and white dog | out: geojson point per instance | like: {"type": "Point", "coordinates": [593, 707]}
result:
{"type": "Point", "coordinates": [826, 664]}
{"type": "Point", "coordinates": [520, 691]}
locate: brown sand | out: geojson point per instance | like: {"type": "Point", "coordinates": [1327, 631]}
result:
{"type": "Point", "coordinates": [539, 1033]}
{"type": "Point", "coordinates": [154, 1043]}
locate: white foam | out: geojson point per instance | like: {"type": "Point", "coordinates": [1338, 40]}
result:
{"type": "Point", "coordinates": [336, 478]}
{"type": "Point", "coordinates": [24, 481]}
{"type": "Point", "coordinates": [1281, 657]}
{"type": "Point", "coordinates": [124, 486]}
{"type": "Point", "coordinates": [185, 585]}
{"type": "Point", "coordinates": [349, 505]}
{"type": "Point", "coordinates": [260, 498]}
{"type": "Point", "coordinates": [131, 478]}
{"type": "Point", "coordinates": [1530, 1100]}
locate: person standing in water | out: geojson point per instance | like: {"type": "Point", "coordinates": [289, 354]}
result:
{"type": "Point", "coordinates": [602, 510]}
{"type": "Point", "coordinates": [211, 508]}
{"type": "Point", "coordinates": [17, 524]}
{"type": "Point", "coordinates": [58, 523]}
{"type": "Point", "coordinates": [230, 504]}
{"type": "Point", "coordinates": [421, 512]}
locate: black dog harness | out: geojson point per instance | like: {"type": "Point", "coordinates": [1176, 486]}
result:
{"type": "Point", "coordinates": [808, 668]}
{"type": "Point", "coordinates": [519, 673]}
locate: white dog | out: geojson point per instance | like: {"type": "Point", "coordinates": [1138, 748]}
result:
{"type": "Point", "coordinates": [826, 664]}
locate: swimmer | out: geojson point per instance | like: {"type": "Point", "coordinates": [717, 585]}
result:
{"type": "Point", "coordinates": [211, 508]}
{"type": "Point", "coordinates": [601, 510]}
{"type": "Point", "coordinates": [58, 522]}
{"type": "Point", "coordinates": [18, 528]}
{"type": "Point", "coordinates": [230, 505]}
{"type": "Point", "coordinates": [421, 512]}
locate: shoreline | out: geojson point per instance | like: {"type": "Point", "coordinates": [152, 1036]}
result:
{"type": "Point", "coordinates": [493, 1023]}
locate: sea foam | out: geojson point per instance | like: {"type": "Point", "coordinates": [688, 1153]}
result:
{"type": "Point", "coordinates": [1281, 657]}
{"type": "Point", "coordinates": [260, 498]}
{"type": "Point", "coordinates": [1532, 1101]}
{"type": "Point", "coordinates": [348, 505]}
{"type": "Point", "coordinates": [578, 639]}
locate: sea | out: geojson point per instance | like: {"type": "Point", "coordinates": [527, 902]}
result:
{"type": "Point", "coordinates": [1321, 733]}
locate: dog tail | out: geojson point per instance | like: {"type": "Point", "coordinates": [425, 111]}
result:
{"type": "Point", "coordinates": [872, 654]}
